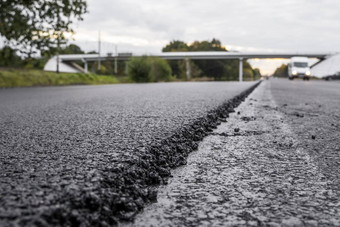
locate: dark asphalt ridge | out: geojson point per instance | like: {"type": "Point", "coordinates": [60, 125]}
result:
{"type": "Point", "coordinates": [91, 155]}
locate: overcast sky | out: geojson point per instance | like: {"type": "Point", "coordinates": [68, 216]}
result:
{"type": "Point", "coordinates": [243, 25]}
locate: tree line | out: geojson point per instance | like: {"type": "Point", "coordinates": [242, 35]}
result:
{"type": "Point", "coordinates": [281, 71]}
{"type": "Point", "coordinates": [218, 69]}
{"type": "Point", "coordinates": [145, 69]}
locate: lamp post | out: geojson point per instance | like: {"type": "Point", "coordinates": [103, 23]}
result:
{"type": "Point", "coordinates": [98, 52]}
{"type": "Point", "coordinates": [58, 47]}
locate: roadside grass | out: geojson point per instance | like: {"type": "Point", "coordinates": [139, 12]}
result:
{"type": "Point", "coordinates": [28, 78]}
{"type": "Point", "coordinates": [15, 77]}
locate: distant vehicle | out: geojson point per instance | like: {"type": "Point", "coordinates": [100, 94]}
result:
{"type": "Point", "coordinates": [335, 76]}
{"type": "Point", "coordinates": [298, 68]}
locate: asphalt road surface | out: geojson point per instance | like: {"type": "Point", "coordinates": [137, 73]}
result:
{"type": "Point", "coordinates": [89, 154]}
{"type": "Point", "coordinates": [274, 163]}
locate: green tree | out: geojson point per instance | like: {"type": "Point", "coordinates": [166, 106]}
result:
{"type": "Point", "coordinates": [149, 69]}
{"type": "Point", "coordinates": [281, 71]}
{"type": "Point", "coordinates": [257, 73]}
{"type": "Point", "coordinates": [210, 68]}
{"type": "Point", "coordinates": [231, 70]}
{"type": "Point", "coordinates": [160, 70]}
{"type": "Point", "coordinates": [71, 49]}
{"type": "Point", "coordinates": [175, 46]}
{"type": "Point", "coordinates": [33, 25]}
{"type": "Point", "coordinates": [248, 72]}
{"type": "Point", "coordinates": [103, 69]}
{"type": "Point", "coordinates": [213, 45]}
{"type": "Point", "coordinates": [196, 72]}
{"type": "Point", "coordinates": [176, 65]}
{"type": "Point", "coordinates": [217, 69]}
{"type": "Point", "coordinates": [9, 58]}
{"type": "Point", "coordinates": [139, 69]}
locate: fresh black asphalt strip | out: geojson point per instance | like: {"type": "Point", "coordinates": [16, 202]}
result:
{"type": "Point", "coordinates": [93, 155]}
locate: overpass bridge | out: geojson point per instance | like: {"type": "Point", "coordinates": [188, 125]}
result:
{"type": "Point", "coordinates": [65, 63]}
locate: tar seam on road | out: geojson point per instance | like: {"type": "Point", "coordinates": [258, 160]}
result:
{"type": "Point", "coordinates": [139, 178]}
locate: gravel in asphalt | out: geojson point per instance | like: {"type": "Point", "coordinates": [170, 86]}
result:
{"type": "Point", "coordinates": [263, 167]}
{"type": "Point", "coordinates": [87, 155]}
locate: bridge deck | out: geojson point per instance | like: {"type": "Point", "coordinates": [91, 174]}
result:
{"type": "Point", "coordinates": [193, 55]}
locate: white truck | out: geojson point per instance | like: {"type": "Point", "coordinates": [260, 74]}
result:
{"type": "Point", "coordinates": [298, 67]}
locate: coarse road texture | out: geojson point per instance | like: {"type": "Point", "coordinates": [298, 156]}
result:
{"type": "Point", "coordinates": [91, 155]}
{"type": "Point", "coordinates": [274, 163]}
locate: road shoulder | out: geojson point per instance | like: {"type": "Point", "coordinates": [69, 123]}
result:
{"type": "Point", "coordinates": [250, 171]}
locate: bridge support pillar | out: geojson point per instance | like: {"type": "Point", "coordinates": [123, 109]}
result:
{"type": "Point", "coordinates": [85, 66]}
{"type": "Point", "coordinates": [188, 68]}
{"type": "Point", "coordinates": [240, 75]}
{"type": "Point", "coordinates": [116, 66]}
{"type": "Point", "coordinates": [127, 68]}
